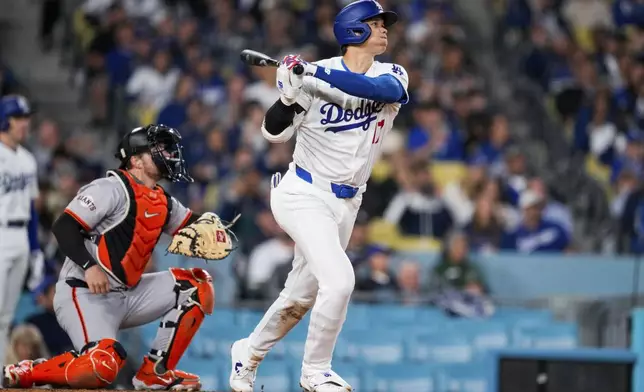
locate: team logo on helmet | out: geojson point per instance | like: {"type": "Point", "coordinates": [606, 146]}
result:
{"type": "Point", "coordinates": [378, 5]}
{"type": "Point", "coordinates": [22, 104]}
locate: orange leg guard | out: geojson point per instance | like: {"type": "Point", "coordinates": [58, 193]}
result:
{"type": "Point", "coordinates": [96, 366]}
{"type": "Point", "coordinates": [195, 299]}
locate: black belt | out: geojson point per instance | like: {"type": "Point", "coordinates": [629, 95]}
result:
{"type": "Point", "coordinates": [15, 223]}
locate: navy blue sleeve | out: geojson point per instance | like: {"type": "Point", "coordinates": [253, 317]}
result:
{"type": "Point", "coordinates": [384, 88]}
{"type": "Point", "coordinates": [33, 229]}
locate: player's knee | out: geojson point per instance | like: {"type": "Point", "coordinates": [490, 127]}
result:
{"type": "Point", "coordinates": [98, 364]}
{"type": "Point", "coordinates": [340, 287]}
{"type": "Point", "coordinates": [198, 283]}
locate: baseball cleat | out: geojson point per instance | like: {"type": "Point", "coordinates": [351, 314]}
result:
{"type": "Point", "coordinates": [324, 382]}
{"type": "Point", "coordinates": [242, 374]}
{"type": "Point", "coordinates": [19, 375]}
{"type": "Point", "coordinates": [147, 379]}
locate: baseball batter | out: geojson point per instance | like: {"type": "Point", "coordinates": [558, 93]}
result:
{"type": "Point", "coordinates": [108, 233]}
{"type": "Point", "coordinates": [341, 110]}
{"type": "Point", "coordinates": [19, 245]}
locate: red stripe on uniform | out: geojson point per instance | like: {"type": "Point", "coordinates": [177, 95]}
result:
{"type": "Point", "coordinates": [78, 219]}
{"type": "Point", "coordinates": [183, 223]}
{"type": "Point", "coordinates": [80, 314]}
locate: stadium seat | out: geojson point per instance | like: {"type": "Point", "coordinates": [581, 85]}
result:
{"type": "Point", "coordinates": [463, 378]}
{"type": "Point", "coordinates": [445, 172]}
{"type": "Point", "coordinates": [483, 335]}
{"type": "Point", "coordinates": [221, 318]}
{"type": "Point", "coordinates": [551, 336]}
{"type": "Point", "coordinates": [213, 374]}
{"type": "Point", "coordinates": [400, 378]}
{"type": "Point", "coordinates": [442, 347]}
{"type": "Point", "coordinates": [25, 308]}
{"type": "Point", "coordinates": [522, 316]}
{"type": "Point", "coordinates": [390, 315]}
{"type": "Point", "coordinates": [371, 346]}
{"type": "Point", "coordinates": [247, 320]}
{"type": "Point", "coordinates": [215, 343]}
{"type": "Point", "coordinates": [274, 376]}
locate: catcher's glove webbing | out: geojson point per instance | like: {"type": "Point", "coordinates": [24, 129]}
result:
{"type": "Point", "coordinates": [207, 238]}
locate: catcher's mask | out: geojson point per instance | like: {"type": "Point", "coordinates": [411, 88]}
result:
{"type": "Point", "coordinates": [164, 145]}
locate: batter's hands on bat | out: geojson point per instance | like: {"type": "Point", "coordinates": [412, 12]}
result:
{"type": "Point", "coordinates": [96, 280]}
{"type": "Point", "coordinates": [288, 83]}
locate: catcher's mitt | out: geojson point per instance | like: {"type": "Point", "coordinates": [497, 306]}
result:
{"type": "Point", "coordinates": [207, 238]}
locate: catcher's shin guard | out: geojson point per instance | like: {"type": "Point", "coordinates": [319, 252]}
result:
{"type": "Point", "coordinates": [96, 366]}
{"type": "Point", "coordinates": [195, 299]}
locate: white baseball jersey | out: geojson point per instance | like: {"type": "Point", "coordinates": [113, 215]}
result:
{"type": "Point", "coordinates": [339, 136]}
{"type": "Point", "coordinates": [18, 183]}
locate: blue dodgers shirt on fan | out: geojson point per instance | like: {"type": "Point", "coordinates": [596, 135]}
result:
{"type": "Point", "coordinates": [546, 237]}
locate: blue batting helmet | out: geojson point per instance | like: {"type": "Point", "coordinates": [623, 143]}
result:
{"type": "Point", "coordinates": [349, 27]}
{"type": "Point", "coordinates": [13, 106]}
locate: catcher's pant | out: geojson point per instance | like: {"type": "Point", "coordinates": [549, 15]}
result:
{"type": "Point", "coordinates": [14, 263]}
{"type": "Point", "coordinates": [88, 317]}
{"type": "Point", "coordinates": [322, 275]}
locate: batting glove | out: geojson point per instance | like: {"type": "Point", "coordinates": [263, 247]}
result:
{"type": "Point", "coordinates": [288, 84]}
{"type": "Point", "coordinates": [292, 60]}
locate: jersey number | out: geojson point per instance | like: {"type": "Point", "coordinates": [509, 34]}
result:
{"type": "Point", "coordinates": [376, 137]}
{"type": "Point", "coordinates": [397, 69]}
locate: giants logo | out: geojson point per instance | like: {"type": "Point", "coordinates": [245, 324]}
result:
{"type": "Point", "coordinates": [363, 116]}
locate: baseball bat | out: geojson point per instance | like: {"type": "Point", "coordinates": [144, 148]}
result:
{"type": "Point", "coordinates": [258, 59]}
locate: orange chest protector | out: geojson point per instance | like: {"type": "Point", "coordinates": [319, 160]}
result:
{"type": "Point", "coordinates": [125, 249]}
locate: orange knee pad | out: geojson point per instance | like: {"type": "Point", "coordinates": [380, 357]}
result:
{"type": "Point", "coordinates": [97, 366]}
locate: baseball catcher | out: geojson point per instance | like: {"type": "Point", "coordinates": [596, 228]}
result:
{"type": "Point", "coordinates": [108, 233]}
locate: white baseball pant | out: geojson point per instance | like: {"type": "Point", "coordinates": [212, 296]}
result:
{"type": "Point", "coordinates": [322, 276]}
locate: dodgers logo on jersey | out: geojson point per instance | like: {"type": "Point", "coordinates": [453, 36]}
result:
{"type": "Point", "coordinates": [364, 114]}
{"type": "Point", "coordinates": [13, 183]}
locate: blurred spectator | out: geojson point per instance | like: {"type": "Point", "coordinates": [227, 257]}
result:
{"type": "Point", "coordinates": [516, 174]}
{"type": "Point", "coordinates": [8, 84]}
{"type": "Point", "coordinates": [358, 247]}
{"type": "Point", "coordinates": [263, 90]}
{"type": "Point", "coordinates": [54, 336]}
{"type": "Point", "coordinates": [553, 210]}
{"type": "Point", "coordinates": [174, 113]}
{"type": "Point", "coordinates": [265, 260]}
{"type": "Point", "coordinates": [25, 342]}
{"type": "Point", "coordinates": [485, 231]}
{"type": "Point", "coordinates": [535, 233]}
{"type": "Point", "coordinates": [455, 270]}
{"type": "Point", "coordinates": [408, 282]}
{"type": "Point", "coordinates": [48, 139]}
{"type": "Point", "coordinates": [433, 137]}
{"type": "Point", "coordinates": [152, 86]}
{"type": "Point", "coordinates": [51, 11]}
{"type": "Point", "coordinates": [376, 276]}
{"type": "Point", "coordinates": [459, 196]}
{"type": "Point", "coordinates": [418, 210]}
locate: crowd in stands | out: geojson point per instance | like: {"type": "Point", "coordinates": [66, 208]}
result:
{"type": "Point", "coordinates": [587, 56]}
{"type": "Point", "coordinates": [451, 179]}
{"type": "Point", "coordinates": [449, 167]}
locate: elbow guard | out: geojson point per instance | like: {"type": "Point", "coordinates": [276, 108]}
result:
{"type": "Point", "coordinates": [281, 137]}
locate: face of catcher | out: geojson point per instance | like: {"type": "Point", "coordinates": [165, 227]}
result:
{"type": "Point", "coordinates": [144, 166]}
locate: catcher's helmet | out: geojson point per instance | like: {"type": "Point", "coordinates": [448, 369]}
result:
{"type": "Point", "coordinates": [13, 106]}
{"type": "Point", "coordinates": [163, 143]}
{"type": "Point", "coordinates": [349, 27]}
